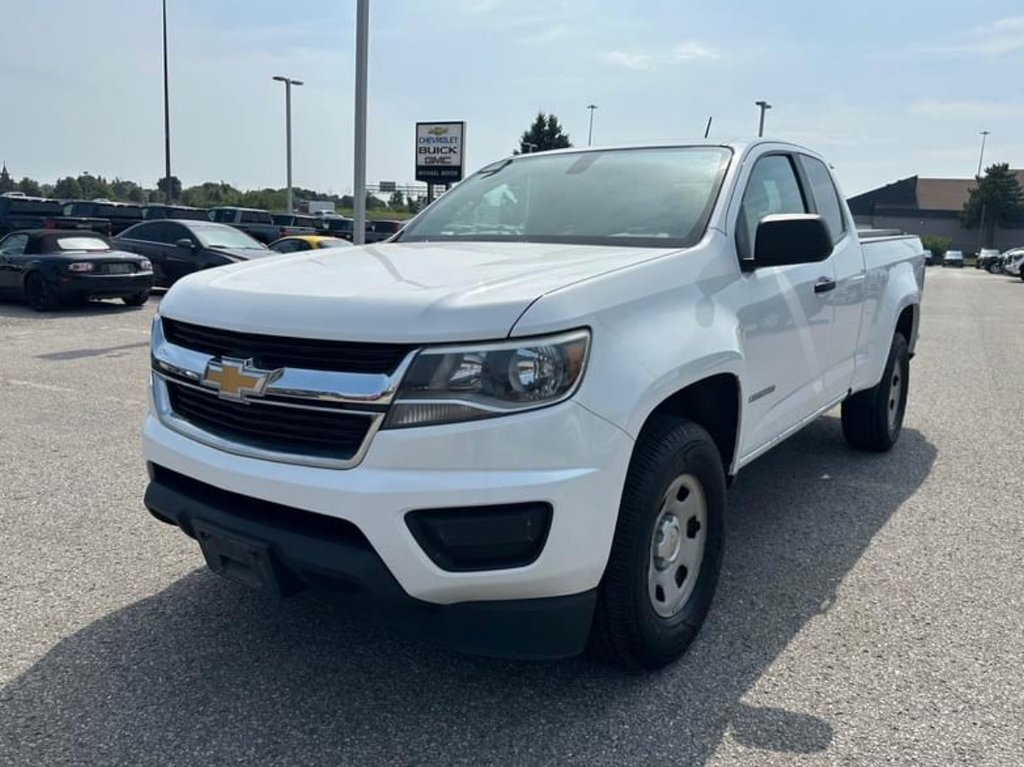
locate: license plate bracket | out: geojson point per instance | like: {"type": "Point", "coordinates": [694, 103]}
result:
{"type": "Point", "coordinates": [240, 559]}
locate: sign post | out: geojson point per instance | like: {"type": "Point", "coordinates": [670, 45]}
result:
{"type": "Point", "coordinates": [440, 154]}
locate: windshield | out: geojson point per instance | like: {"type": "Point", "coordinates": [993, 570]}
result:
{"type": "Point", "coordinates": [82, 243]}
{"type": "Point", "coordinates": [650, 197]}
{"type": "Point", "coordinates": [224, 237]}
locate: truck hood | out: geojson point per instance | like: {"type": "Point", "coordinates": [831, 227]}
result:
{"type": "Point", "coordinates": [394, 292]}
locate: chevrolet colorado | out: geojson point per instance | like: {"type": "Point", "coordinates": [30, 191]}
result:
{"type": "Point", "coordinates": [510, 429]}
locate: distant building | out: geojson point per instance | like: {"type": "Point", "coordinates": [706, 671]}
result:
{"type": "Point", "coordinates": [929, 206]}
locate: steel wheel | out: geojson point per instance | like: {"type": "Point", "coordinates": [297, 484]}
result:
{"type": "Point", "coordinates": [677, 545]}
{"type": "Point", "coordinates": [896, 385]}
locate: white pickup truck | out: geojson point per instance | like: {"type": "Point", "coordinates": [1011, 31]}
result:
{"type": "Point", "coordinates": [510, 429]}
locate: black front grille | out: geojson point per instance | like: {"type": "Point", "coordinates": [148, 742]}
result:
{"type": "Point", "coordinates": [322, 433]}
{"type": "Point", "coordinates": [283, 351]}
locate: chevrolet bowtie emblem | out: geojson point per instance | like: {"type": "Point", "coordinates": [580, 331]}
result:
{"type": "Point", "coordinates": [237, 379]}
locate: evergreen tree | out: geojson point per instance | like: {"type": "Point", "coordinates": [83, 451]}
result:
{"type": "Point", "coordinates": [545, 133]}
{"type": "Point", "coordinates": [997, 200]}
{"type": "Point", "coordinates": [6, 182]}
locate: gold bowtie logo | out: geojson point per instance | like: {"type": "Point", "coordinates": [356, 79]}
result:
{"type": "Point", "coordinates": [237, 379]}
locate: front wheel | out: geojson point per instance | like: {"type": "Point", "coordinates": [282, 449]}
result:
{"type": "Point", "coordinates": [667, 552]}
{"type": "Point", "coordinates": [873, 419]}
{"type": "Point", "coordinates": [136, 299]}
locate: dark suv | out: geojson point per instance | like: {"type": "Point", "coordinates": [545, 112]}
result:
{"type": "Point", "coordinates": [39, 213]}
{"type": "Point", "coordinates": [120, 215]}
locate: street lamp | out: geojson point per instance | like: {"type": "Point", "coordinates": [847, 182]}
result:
{"type": "Point", "coordinates": [984, 135]}
{"type": "Point", "coordinates": [359, 159]}
{"type": "Point", "coordinates": [167, 119]}
{"type": "Point", "coordinates": [288, 83]}
{"type": "Point", "coordinates": [590, 131]}
{"type": "Point", "coordinates": [764, 106]}
{"type": "Point", "coordinates": [529, 147]}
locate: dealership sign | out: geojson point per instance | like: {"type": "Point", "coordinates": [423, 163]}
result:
{"type": "Point", "coordinates": [439, 152]}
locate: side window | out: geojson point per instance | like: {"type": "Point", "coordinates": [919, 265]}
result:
{"type": "Point", "coordinates": [174, 232]}
{"type": "Point", "coordinates": [14, 245]}
{"type": "Point", "coordinates": [223, 216]}
{"type": "Point", "coordinates": [146, 233]}
{"type": "Point", "coordinates": [826, 198]}
{"type": "Point", "coordinates": [771, 189]}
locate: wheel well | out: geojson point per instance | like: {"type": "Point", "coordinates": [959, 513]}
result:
{"type": "Point", "coordinates": [905, 323]}
{"type": "Point", "coordinates": [714, 404]}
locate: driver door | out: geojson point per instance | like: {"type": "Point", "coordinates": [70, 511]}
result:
{"type": "Point", "coordinates": [786, 322]}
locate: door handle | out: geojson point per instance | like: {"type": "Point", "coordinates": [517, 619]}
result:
{"type": "Point", "coordinates": [824, 285]}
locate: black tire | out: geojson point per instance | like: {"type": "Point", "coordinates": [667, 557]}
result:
{"type": "Point", "coordinates": [39, 294]}
{"type": "Point", "coordinates": [873, 419]}
{"type": "Point", "coordinates": [627, 629]}
{"type": "Point", "coordinates": [137, 299]}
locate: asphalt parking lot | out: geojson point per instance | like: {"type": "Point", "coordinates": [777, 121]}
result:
{"type": "Point", "coordinates": [871, 609]}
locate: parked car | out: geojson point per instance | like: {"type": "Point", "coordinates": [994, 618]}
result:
{"type": "Point", "coordinates": [987, 259]}
{"type": "Point", "coordinates": [300, 243]}
{"type": "Point", "coordinates": [954, 258]}
{"type": "Point", "coordinates": [1013, 263]}
{"type": "Point", "coordinates": [512, 426]}
{"type": "Point", "coordinates": [49, 267]}
{"type": "Point", "coordinates": [382, 229]}
{"type": "Point", "coordinates": [120, 215]}
{"type": "Point", "coordinates": [258, 224]}
{"type": "Point", "coordinates": [41, 213]}
{"type": "Point", "coordinates": [176, 212]}
{"type": "Point", "coordinates": [295, 224]}
{"type": "Point", "coordinates": [178, 248]}
{"type": "Point", "coordinates": [338, 226]}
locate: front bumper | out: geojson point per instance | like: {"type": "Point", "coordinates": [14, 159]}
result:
{"type": "Point", "coordinates": [86, 285]}
{"type": "Point", "coordinates": [313, 550]}
{"type": "Point", "coordinates": [563, 455]}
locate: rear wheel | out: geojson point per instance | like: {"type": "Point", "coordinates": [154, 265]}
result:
{"type": "Point", "coordinates": [873, 419]}
{"type": "Point", "coordinates": [39, 294]}
{"type": "Point", "coordinates": [667, 552]}
{"type": "Point", "coordinates": [137, 299]}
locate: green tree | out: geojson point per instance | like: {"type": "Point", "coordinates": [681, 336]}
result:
{"type": "Point", "coordinates": [545, 133]}
{"type": "Point", "coordinates": [67, 188]}
{"type": "Point", "coordinates": [397, 200]}
{"type": "Point", "coordinates": [30, 187]}
{"type": "Point", "coordinates": [997, 200]}
{"type": "Point", "coordinates": [93, 187]}
{"type": "Point", "coordinates": [175, 187]}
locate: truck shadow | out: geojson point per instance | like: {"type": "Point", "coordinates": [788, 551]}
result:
{"type": "Point", "coordinates": [204, 672]}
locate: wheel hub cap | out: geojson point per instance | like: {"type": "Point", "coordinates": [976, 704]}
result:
{"type": "Point", "coordinates": [677, 546]}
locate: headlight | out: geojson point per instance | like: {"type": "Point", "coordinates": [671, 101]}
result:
{"type": "Point", "coordinates": [145, 266]}
{"type": "Point", "coordinates": [81, 266]}
{"type": "Point", "coordinates": [446, 385]}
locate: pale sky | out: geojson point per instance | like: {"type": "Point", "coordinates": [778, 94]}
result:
{"type": "Point", "coordinates": [884, 89]}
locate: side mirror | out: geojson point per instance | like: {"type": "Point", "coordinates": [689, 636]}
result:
{"type": "Point", "coordinates": [185, 243]}
{"type": "Point", "coordinates": [791, 239]}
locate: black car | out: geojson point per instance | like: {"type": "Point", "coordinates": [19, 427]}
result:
{"type": "Point", "coordinates": [38, 212]}
{"type": "Point", "coordinates": [120, 215]}
{"type": "Point", "coordinates": [178, 248]}
{"type": "Point", "coordinates": [49, 267]}
{"type": "Point", "coordinates": [382, 229]}
{"type": "Point", "coordinates": [178, 212]}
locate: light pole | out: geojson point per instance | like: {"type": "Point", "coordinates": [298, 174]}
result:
{"type": "Point", "coordinates": [359, 191]}
{"type": "Point", "coordinates": [981, 157]}
{"type": "Point", "coordinates": [764, 106]}
{"type": "Point", "coordinates": [288, 83]}
{"type": "Point", "coordinates": [529, 147]}
{"type": "Point", "coordinates": [169, 192]}
{"type": "Point", "coordinates": [590, 131]}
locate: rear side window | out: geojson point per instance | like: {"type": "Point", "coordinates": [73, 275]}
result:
{"type": "Point", "coordinates": [223, 216]}
{"type": "Point", "coordinates": [82, 243]}
{"type": "Point", "coordinates": [772, 189]}
{"type": "Point", "coordinates": [35, 207]}
{"type": "Point", "coordinates": [256, 217]}
{"type": "Point", "coordinates": [826, 198]}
